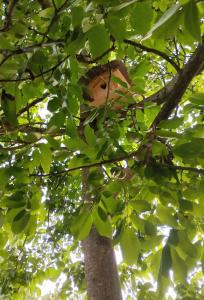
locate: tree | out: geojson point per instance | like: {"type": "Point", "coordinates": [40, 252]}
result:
{"type": "Point", "coordinates": [132, 178]}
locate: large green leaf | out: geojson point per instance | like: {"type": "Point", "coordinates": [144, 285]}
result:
{"type": "Point", "coordinates": [171, 123]}
{"type": "Point", "coordinates": [191, 20]}
{"type": "Point", "coordinates": [164, 19]}
{"type": "Point", "coordinates": [8, 104]}
{"type": "Point", "coordinates": [102, 222]}
{"type": "Point", "coordinates": [77, 15]}
{"type": "Point", "coordinates": [99, 40]}
{"type": "Point", "coordinates": [179, 267]}
{"type": "Point", "coordinates": [166, 217]}
{"type": "Point", "coordinates": [82, 224]}
{"type": "Point", "coordinates": [197, 98]}
{"type": "Point", "coordinates": [130, 246]}
{"type": "Point", "coordinates": [89, 135]}
{"type": "Point", "coordinates": [165, 266]}
{"type": "Point", "coordinates": [116, 27]}
{"type": "Point", "coordinates": [46, 157]}
{"type": "Point", "coordinates": [20, 222]}
{"type": "Point", "coordinates": [187, 150]}
{"type": "Point", "coordinates": [141, 17]}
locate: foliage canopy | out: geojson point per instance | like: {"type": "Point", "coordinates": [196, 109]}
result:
{"type": "Point", "coordinates": [148, 195]}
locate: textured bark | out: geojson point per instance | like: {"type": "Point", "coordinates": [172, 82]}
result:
{"type": "Point", "coordinates": [101, 273]}
{"type": "Point", "coordinates": [100, 268]}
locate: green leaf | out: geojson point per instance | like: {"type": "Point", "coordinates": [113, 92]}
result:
{"type": "Point", "coordinates": [82, 224]}
{"type": "Point", "coordinates": [141, 69]}
{"type": "Point", "coordinates": [166, 262]}
{"type": "Point", "coordinates": [198, 210]}
{"type": "Point", "coordinates": [151, 242]}
{"type": "Point", "coordinates": [118, 80]}
{"type": "Point", "coordinates": [9, 108]}
{"type": "Point", "coordinates": [149, 228]}
{"type": "Point", "coordinates": [165, 216]}
{"type": "Point", "coordinates": [56, 121]}
{"type": "Point", "coordinates": [77, 14]}
{"type": "Point", "coordinates": [20, 222]}
{"type": "Point", "coordinates": [46, 157]}
{"type": "Point", "coordinates": [102, 222]}
{"type": "Point", "coordinates": [186, 245]}
{"type": "Point", "coordinates": [1, 219]}
{"type": "Point", "coordinates": [191, 20]}
{"type": "Point", "coordinates": [173, 237]}
{"type": "Point", "coordinates": [110, 203]}
{"type": "Point", "coordinates": [73, 98]}
{"type": "Point", "coordinates": [54, 105]}
{"type": "Point", "coordinates": [89, 135]}
{"type": "Point", "coordinates": [77, 42]}
{"type": "Point", "coordinates": [114, 186]}
{"type": "Point", "coordinates": [130, 246]}
{"type": "Point", "coordinates": [158, 148]}
{"type": "Point", "coordinates": [99, 40]}
{"type": "Point", "coordinates": [38, 61]}
{"type": "Point", "coordinates": [123, 5]}
{"type": "Point", "coordinates": [155, 263]}
{"type": "Point", "coordinates": [140, 205]}
{"type": "Point", "coordinates": [197, 98]}
{"type": "Point", "coordinates": [179, 267]}
{"type": "Point", "coordinates": [47, 13]}
{"type": "Point", "coordinates": [189, 149]}
{"type": "Point", "coordinates": [166, 17]}
{"type": "Point", "coordinates": [150, 113]}
{"type": "Point", "coordinates": [141, 17]}
{"type": "Point", "coordinates": [185, 205]}
{"type": "Point", "coordinates": [71, 129]}
{"type": "Point", "coordinates": [171, 123]}
{"type": "Point", "coordinates": [116, 27]}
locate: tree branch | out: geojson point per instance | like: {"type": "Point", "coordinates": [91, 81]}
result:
{"type": "Point", "coordinates": [33, 103]}
{"type": "Point", "coordinates": [113, 160]}
{"type": "Point", "coordinates": [7, 21]}
{"type": "Point", "coordinates": [178, 85]}
{"type": "Point", "coordinates": [38, 75]}
{"type": "Point", "coordinates": [9, 53]}
{"type": "Point", "coordinates": [155, 51]}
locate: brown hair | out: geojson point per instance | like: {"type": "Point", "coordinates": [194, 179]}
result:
{"type": "Point", "coordinates": [98, 70]}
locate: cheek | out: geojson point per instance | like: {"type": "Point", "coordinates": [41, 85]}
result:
{"type": "Point", "coordinates": [113, 86]}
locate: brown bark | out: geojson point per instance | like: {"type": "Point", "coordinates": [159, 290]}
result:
{"type": "Point", "coordinates": [100, 268]}
{"type": "Point", "coordinates": [101, 273]}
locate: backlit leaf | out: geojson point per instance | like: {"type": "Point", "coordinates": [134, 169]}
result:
{"type": "Point", "coordinates": [130, 246]}
{"type": "Point", "coordinates": [191, 20]}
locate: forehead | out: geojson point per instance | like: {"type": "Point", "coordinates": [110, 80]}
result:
{"type": "Point", "coordinates": [105, 77]}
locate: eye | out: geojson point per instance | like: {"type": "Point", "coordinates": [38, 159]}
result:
{"type": "Point", "coordinates": [103, 86]}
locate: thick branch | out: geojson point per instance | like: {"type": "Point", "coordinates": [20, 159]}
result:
{"type": "Point", "coordinates": [177, 87]}
{"type": "Point", "coordinates": [178, 84]}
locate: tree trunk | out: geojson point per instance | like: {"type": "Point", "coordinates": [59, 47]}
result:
{"type": "Point", "coordinates": [101, 273]}
{"type": "Point", "coordinates": [100, 268]}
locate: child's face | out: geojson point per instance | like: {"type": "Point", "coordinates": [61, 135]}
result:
{"type": "Point", "coordinates": [102, 89]}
